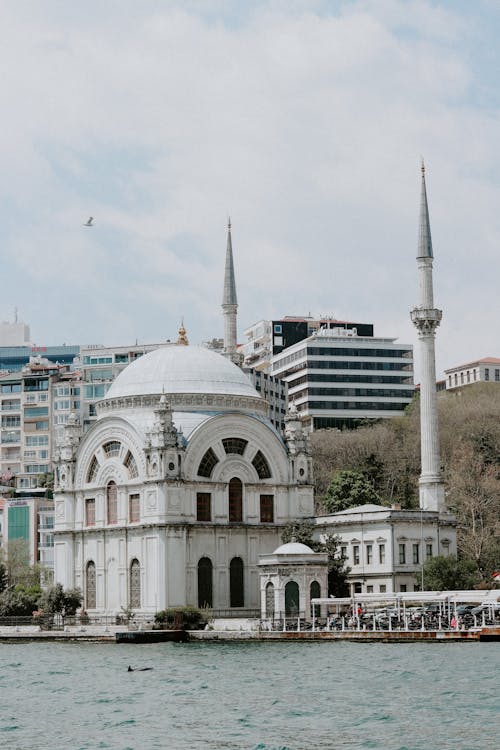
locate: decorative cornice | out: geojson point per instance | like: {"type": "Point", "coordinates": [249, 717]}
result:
{"type": "Point", "coordinates": [186, 402]}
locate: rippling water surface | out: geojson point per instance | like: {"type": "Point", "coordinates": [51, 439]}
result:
{"type": "Point", "coordinates": [260, 696]}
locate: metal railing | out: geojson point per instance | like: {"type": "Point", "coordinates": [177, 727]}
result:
{"type": "Point", "coordinates": [234, 612]}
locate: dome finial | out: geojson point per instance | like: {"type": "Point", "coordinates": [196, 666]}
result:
{"type": "Point", "coordinates": [183, 340]}
{"type": "Point", "coordinates": [422, 165]}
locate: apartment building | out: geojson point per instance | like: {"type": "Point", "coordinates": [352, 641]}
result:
{"type": "Point", "coordinates": [486, 370]}
{"type": "Point", "coordinates": [26, 427]}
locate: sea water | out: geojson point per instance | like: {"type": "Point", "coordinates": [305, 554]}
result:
{"type": "Point", "coordinates": [257, 696]}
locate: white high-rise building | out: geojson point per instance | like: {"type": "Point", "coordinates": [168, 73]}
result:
{"type": "Point", "coordinates": [337, 378]}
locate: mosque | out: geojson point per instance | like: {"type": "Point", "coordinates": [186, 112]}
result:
{"type": "Point", "coordinates": [181, 485]}
{"type": "Point", "coordinates": [178, 493]}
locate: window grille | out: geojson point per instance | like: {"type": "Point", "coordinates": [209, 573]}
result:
{"type": "Point", "coordinates": [261, 466]}
{"type": "Point", "coordinates": [112, 502]}
{"type": "Point", "coordinates": [235, 445]}
{"type": "Point", "coordinates": [207, 464]}
{"type": "Point", "coordinates": [267, 508]}
{"type": "Point", "coordinates": [134, 506]}
{"type": "Point", "coordinates": [135, 584]}
{"type": "Point", "coordinates": [270, 600]}
{"type": "Point", "coordinates": [112, 448]}
{"type": "Point", "coordinates": [90, 511]}
{"type": "Point", "coordinates": [90, 585]}
{"type": "Point", "coordinates": [235, 500]}
{"type": "Point", "coordinates": [131, 465]}
{"type": "Point", "coordinates": [203, 510]}
{"type": "Point", "coordinates": [93, 470]}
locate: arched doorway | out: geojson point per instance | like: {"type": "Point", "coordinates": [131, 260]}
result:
{"type": "Point", "coordinates": [315, 593]}
{"type": "Point", "coordinates": [292, 598]}
{"type": "Point", "coordinates": [236, 584]}
{"type": "Point", "coordinates": [135, 584]}
{"type": "Point", "coordinates": [205, 592]}
{"type": "Point", "coordinates": [235, 500]}
{"type": "Point", "coordinates": [270, 600]}
{"type": "Point", "coordinates": [90, 586]}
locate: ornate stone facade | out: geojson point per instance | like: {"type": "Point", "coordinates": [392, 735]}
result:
{"type": "Point", "coordinates": [171, 497]}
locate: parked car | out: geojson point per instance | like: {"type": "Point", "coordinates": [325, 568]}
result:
{"type": "Point", "coordinates": [493, 607]}
{"type": "Point", "coordinates": [465, 609]}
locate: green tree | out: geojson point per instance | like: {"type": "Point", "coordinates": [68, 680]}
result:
{"type": "Point", "coordinates": [299, 531]}
{"type": "Point", "coordinates": [449, 574]}
{"type": "Point", "coordinates": [56, 600]}
{"type": "Point", "coordinates": [3, 577]}
{"type": "Point", "coordinates": [302, 531]}
{"type": "Point", "coordinates": [19, 570]}
{"type": "Point", "coordinates": [348, 489]}
{"type": "Point", "coordinates": [19, 601]}
{"type": "Point", "coordinates": [338, 572]}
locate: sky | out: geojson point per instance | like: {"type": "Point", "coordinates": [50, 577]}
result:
{"type": "Point", "coordinates": [305, 121]}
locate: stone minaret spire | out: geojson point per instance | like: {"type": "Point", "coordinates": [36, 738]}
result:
{"type": "Point", "coordinates": [426, 318]}
{"type": "Point", "coordinates": [230, 303]}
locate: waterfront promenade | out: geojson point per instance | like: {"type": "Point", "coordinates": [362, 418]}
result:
{"type": "Point", "coordinates": [101, 633]}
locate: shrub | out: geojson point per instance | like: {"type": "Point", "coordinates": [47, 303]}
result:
{"type": "Point", "coordinates": [181, 618]}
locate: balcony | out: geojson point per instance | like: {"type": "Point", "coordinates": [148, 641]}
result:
{"type": "Point", "coordinates": [10, 457]}
{"type": "Point", "coordinates": [8, 438]}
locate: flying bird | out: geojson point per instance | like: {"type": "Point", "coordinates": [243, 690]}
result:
{"type": "Point", "coordinates": [89, 222]}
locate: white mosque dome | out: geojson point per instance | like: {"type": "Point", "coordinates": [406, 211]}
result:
{"type": "Point", "coordinates": [293, 548]}
{"type": "Point", "coordinates": [181, 369]}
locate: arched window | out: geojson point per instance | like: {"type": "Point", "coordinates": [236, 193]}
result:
{"type": "Point", "coordinates": [112, 448]}
{"type": "Point", "coordinates": [131, 465]}
{"type": "Point", "coordinates": [207, 464]}
{"type": "Point", "coordinates": [205, 593]}
{"type": "Point", "coordinates": [292, 598]}
{"type": "Point", "coordinates": [112, 503]}
{"type": "Point", "coordinates": [270, 600]}
{"type": "Point", "coordinates": [135, 584]}
{"type": "Point", "coordinates": [236, 586]}
{"type": "Point", "coordinates": [92, 470]}
{"type": "Point", "coordinates": [315, 593]}
{"type": "Point", "coordinates": [261, 466]}
{"type": "Point", "coordinates": [235, 445]}
{"type": "Point", "coordinates": [90, 586]}
{"type": "Point", "coordinates": [235, 500]}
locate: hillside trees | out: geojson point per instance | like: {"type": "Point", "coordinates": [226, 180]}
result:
{"type": "Point", "coordinates": [387, 454]}
{"type": "Point", "coordinates": [347, 489]}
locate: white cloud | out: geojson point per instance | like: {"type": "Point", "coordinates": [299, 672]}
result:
{"type": "Point", "coordinates": [304, 124]}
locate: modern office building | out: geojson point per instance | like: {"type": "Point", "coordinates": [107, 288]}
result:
{"type": "Point", "coordinates": [338, 378]}
{"type": "Point", "coordinates": [270, 337]}
{"type": "Point", "coordinates": [486, 370]}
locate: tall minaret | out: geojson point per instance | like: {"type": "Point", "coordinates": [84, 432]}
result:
{"type": "Point", "coordinates": [230, 304]}
{"type": "Point", "coordinates": [426, 318]}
